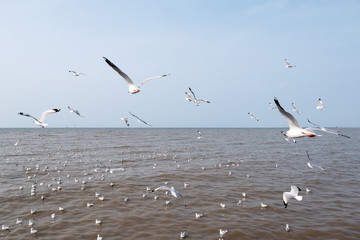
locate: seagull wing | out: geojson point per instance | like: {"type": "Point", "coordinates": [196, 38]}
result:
{"type": "Point", "coordinates": [27, 115]}
{"type": "Point", "coordinates": [152, 78]}
{"type": "Point", "coordinates": [181, 197]}
{"type": "Point", "coordinates": [294, 191]}
{"type": "Point", "coordinates": [162, 188]}
{"type": "Point", "coordinates": [319, 128]}
{"type": "Point", "coordinates": [200, 99]}
{"type": "Point", "coordinates": [124, 75]}
{"type": "Point", "coordinates": [287, 62]}
{"type": "Point", "coordinates": [140, 119]}
{"type": "Point", "coordinates": [192, 93]}
{"type": "Point", "coordinates": [293, 123]}
{"type": "Point", "coordinates": [46, 113]}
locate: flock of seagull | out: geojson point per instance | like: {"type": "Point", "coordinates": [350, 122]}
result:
{"type": "Point", "coordinates": [295, 131]}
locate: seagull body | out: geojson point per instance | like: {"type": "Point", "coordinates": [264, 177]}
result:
{"type": "Point", "coordinates": [140, 120]}
{"type": "Point", "coordinates": [40, 121]}
{"type": "Point", "coordinates": [76, 74]}
{"type": "Point", "coordinates": [172, 191]}
{"type": "Point", "coordinates": [294, 193]}
{"type": "Point", "coordinates": [320, 106]}
{"type": "Point", "coordinates": [253, 117]}
{"type": "Point", "coordinates": [223, 232]}
{"type": "Point", "coordinates": [33, 231]}
{"type": "Point", "coordinates": [132, 87]}
{"type": "Point", "coordinates": [199, 215]}
{"type": "Point", "coordinates": [287, 228]}
{"type": "Point", "coordinates": [74, 111]}
{"type": "Point", "coordinates": [183, 234]}
{"type": "Point", "coordinates": [295, 130]}
{"type": "Point", "coordinates": [263, 205]}
{"type": "Point", "coordinates": [288, 65]}
{"type": "Point", "coordinates": [192, 97]}
{"type": "Point", "coordinates": [19, 221]}
{"type": "Point", "coordinates": [125, 119]}
{"type": "Point", "coordinates": [5, 228]}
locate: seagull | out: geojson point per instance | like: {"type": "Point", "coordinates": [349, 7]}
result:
{"type": "Point", "coordinates": [189, 97]}
{"type": "Point", "coordinates": [40, 122]}
{"type": "Point", "coordinates": [263, 205]}
{"type": "Point", "coordinates": [222, 205]}
{"type": "Point", "coordinates": [253, 117]}
{"type": "Point", "coordinates": [288, 65]}
{"type": "Point", "coordinates": [53, 216]}
{"type": "Point", "coordinates": [295, 130]}
{"type": "Point", "coordinates": [320, 106]}
{"type": "Point", "coordinates": [5, 228]}
{"type": "Point", "coordinates": [271, 107]}
{"type": "Point", "coordinates": [199, 215]}
{"type": "Point", "coordinates": [319, 128]}
{"type": "Point", "coordinates": [33, 231]}
{"type": "Point", "coordinates": [15, 144]}
{"type": "Point", "coordinates": [125, 119]}
{"type": "Point", "coordinates": [76, 74]}
{"type": "Point", "coordinates": [140, 120]}
{"type": "Point", "coordinates": [223, 232]}
{"type": "Point", "coordinates": [194, 99]}
{"type": "Point", "coordinates": [200, 135]}
{"type": "Point", "coordinates": [172, 191]}
{"type": "Point", "coordinates": [99, 237]}
{"type": "Point", "coordinates": [98, 221]}
{"type": "Point", "coordinates": [295, 109]}
{"type": "Point", "coordinates": [287, 228]}
{"type": "Point", "coordinates": [132, 87]}
{"type": "Point", "coordinates": [19, 221]}
{"type": "Point", "coordinates": [312, 166]}
{"type": "Point", "coordinates": [183, 234]}
{"type": "Point", "coordinates": [292, 194]}
{"type": "Point", "coordinates": [74, 111]}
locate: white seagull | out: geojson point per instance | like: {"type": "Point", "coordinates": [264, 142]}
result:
{"type": "Point", "coordinates": [295, 109]}
{"type": "Point", "coordinates": [288, 65]}
{"type": "Point", "coordinates": [132, 87]}
{"type": "Point", "coordinates": [172, 191]}
{"type": "Point", "coordinates": [320, 106]}
{"type": "Point", "coordinates": [271, 107]}
{"type": "Point", "coordinates": [74, 111]}
{"type": "Point", "coordinates": [312, 165]}
{"type": "Point", "coordinates": [140, 120]}
{"type": "Point", "coordinates": [253, 117]}
{"type": "Point", "coordinates": [76, 74]}
{"type": "Point", "coordinates": [294, 193]}
{"type": "Point", "coordinates": [194, 99]}
{"type": "Point", "coordinates": [125, 119]}
{"type": "Point", "coordinates": [40, 122]}
{"type": "Point", "coordinates": [188, 97]}
{"type": "Point", "coordinates": [295, 130]}
{"type": "Point", "coordinates": [200, 135]}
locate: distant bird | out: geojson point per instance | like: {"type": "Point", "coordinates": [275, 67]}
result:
{"type": "Point", "coordinates": [307, 190]}
{"type": "Point", "coordinates": [33, 231]}
{"type": "Point", "coordinates": [223, 232]}
{"type": "Point", "coordinates": [320, 106]}
{"type": "Point", "coordinates": [222, 205]}
{"type": "Point", "coordinates": [53, 216]}
{"type": "Point", "coordinates": [287, 228]}
{"type": "Point", "coordinates": [295, 130]}
{"type": "Point", "coordinates": [288, 65]}
{"type": "Point", "coordinates": [271, 107]}
{"type": "Point", "coordinates": [76, 74]}
{"type": "Point", "coordinates": [172, 191]}
{"type": "Point", "coordinates": [98, 221]}
{"type": "Point", "coordinates": [295, 109]}
{"type": "Point", "coordinates": [132, 87]}
{"type": "Point", "coordinates": [183, 234]}
{"type": "Point", "coordinates": [199, 215]}
{"type": "Point", "coordinates": [140, 120]}
{"type": "Point", "coordinates": [294, 193]}
{"type": "Point", "coordinates": [194, 99]}
{"type": "Point", "coordinates": [200, 135]}
{"type": "Point", "coordinates": [15, 144]}
{"type": "Point", "coordinates": [189, 97]}
{"type": "Point", "coordinates": [19, 221]}
{"type": "Point", "coordinates": [40, 122]}
{"type": "Point", "coordinates": [74, 111]}
{"type": "Point", "coordinates": [99, 237]}
{"type": "Point", "coordinates": [5, 228]}
{"type": "Point", "coordinates": [253, 117]}
{"type": "Point", "coordinates": [125, 119]}
{"type": "Point", "coordinates": [312, 165]}
{"type": "Point", "coordinates": [263, 205]}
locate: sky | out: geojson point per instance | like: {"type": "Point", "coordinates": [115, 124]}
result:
{"type": "Point", "coordinates": [229, 52]}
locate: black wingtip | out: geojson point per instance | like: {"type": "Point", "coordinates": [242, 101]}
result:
{"type": "Point", "coordinates": [298, 188]}
{"type": "Point", "coordinates": [56, 110]}
{"type": "Point", "coordinates": [20, 113]}
{"type": "Point", "coordinates": [285, 204]}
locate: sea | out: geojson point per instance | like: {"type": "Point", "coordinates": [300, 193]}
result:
{"type": "Point", "coordinates": [109, 174]}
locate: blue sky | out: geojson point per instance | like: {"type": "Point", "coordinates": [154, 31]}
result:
{"type": "Point", "coordinates": [229, 52]}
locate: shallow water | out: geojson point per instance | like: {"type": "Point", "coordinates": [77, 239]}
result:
{"type": "Point", "coordinates": [261, 162]}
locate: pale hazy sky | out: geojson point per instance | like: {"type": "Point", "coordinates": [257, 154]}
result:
{"type": "Point", "coordinates": [229, 52]}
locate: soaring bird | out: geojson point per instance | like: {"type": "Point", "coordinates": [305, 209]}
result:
{"type": "Point", "coordinates": [76, 74]}
{"type": "Point", "coordinates": [132, 87]}
{"type": "Point", "coordinates": [294, 193]}
{"type": "Point", "coordinates": [288, 65]}
{"type": "Point", "coordinates": [194, 99]}
{"type": "Point", "coordinates": [320, 106]}
{"type": "Point", "coordinates": [40, 121]}
{"type": "Point", "coordinates": [75, 111]}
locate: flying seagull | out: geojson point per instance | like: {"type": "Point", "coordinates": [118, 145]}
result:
{"type": "Point", "coordinates": [76, 74]}
{"type": "Point", "coordinates": [320, 106]}
{"type": "Point", "coordinates": [194, 99]}
{"type": "Point", "coordinates": [253, 117]}
{"type": "Point", "coordinates": [75, 111]}
{"type": "Point", "coordinates": [313, 165]}
{"type": "Point", "coordinates": [125, 119]}
{"type": "Point", "coordinates": [132, 87]}
{"type": "Point", "coordinates": [40, 122]}
{"type": "Point", "coordinates": [294, 108]}
{"type": "Point", "coordinates": [172, 191]}
{"type": "Point", "coordinates": [140, 120]}
{"type": "Point", "coordinates": [271, 107]}
{"type": "Point", "coordinates": [295, 130]}
{"type": "Point", "coordinates": [288, 65]}
{"type": "Point", "coordinates": [294, 193]}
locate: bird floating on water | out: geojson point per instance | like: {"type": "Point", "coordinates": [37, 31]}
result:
{"type": "Point", "coordinates": [40, 121]}
{"type": "Point", "coordinates": [294, 193]}
{"type": "Point", "coordinates": [132, 87]}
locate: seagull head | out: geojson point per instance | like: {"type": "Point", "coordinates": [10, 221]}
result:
{"type": "Point", "coordinates": [133, 89]}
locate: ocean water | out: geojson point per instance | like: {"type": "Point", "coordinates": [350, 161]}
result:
{"type": "Point", "coordinates": [68, 166]}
